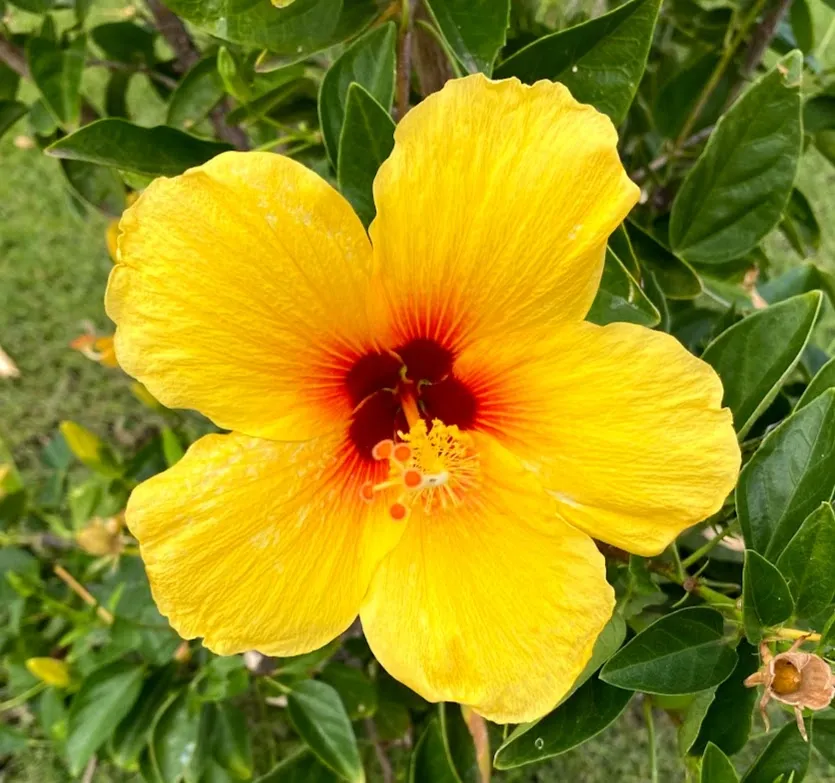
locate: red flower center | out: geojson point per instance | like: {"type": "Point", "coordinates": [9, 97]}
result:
{"type": "Point", "coordinates": [378, 384]}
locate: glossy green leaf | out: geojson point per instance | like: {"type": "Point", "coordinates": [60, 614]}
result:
{"type": "Point", "coordinates": [800, 18]}
{"type": "Point", "coordinates": [231, 745]}
{"type": "Point", "coordinates": [174, 740]}
{"type": "Point", "coordinates": [819, 113]}
{"type": "Point", "coordinates": [322, 722]}
{"type": "Point", "coordinates": [607, 644]}
{"type": "Point", "coordinates": [590, 710]}
{"type": "Point", "coordinates": [303, 767]}
{"type": "Point", "coordinates": [692, 719]}
{"type": "Point", "coordinates": [125, 42]}
{"type": "Point", "coordinates": [737, 189]}
{"type": "Point", "coordinates": [683, 652]}
{"type": "Point", "coordinates": [56, 71]}
{"type": "Point", "coordinates": [159, 151]}
{"type": "Point", "coordinates": [291, 33]}
{"type": "Point", "coordinates": [800, 225]}
{"type": "Point", "coordinates": [824, 379]}
{"type": "Point", "coordinates": [230, 73]}
{"type": "Point", "coordinates": [620, 298]}
{"type": "Point", "coordinates": [789, 476]}
{"type": "Point", "coordinates": [766, 598]}
{"type": "Point", "coordinates": [131, 734]}
{"type": "Point", "coordinates": [10, 113]}
{"type": "Point", "coordinates": [116, 94]}
{"type": "Point", "coordinates": [823, 734]}
{"type": "Point", "coordinates": [601, 61]}
{"type": "Point", "coordinates": [368, 62]}
{"type": "Point", "coordinates": [717, 767]}
{"type": "Point", "coordinates": [756, 355]}
{"type": "Point", "coordinates": [799, 279]}
{"type": "Point", "coordinates": [430, 759]}
{"type": "Point", "coordinates": [807, 563]}
{"type": "Point", "coordinates": [97, 186]}
{"type": "Point", "coordinates": [367, 140]}
{"type": "Point", "coordinates": [195, 95]}
{"type": "Point", "coordinates": [675, 277]}
{"type": "Point", "coordinates": [475, 30]}
{"type": "Point", "coordinates": [106, 696]}
{"type": "Point", "coordinates": [355, 689]}
{"type": "Point", "coordinates": [727, 723]}
{"type": "Point", "coordinates": [784, 759]}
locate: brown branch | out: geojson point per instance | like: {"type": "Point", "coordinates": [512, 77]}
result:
{"type": "Point", "coordinates": [760, 40]}
{"type": "Point", "coordinates": [404, 59]}
{"type": "Point", "coordinates": [382, 759]}
{"type": "Point", "coordinates": [174, 31]}
{"type": "Point", "coordinates": [186, 55]}
{"type": "Point", "coordinates": [659, 162]}
{"type": "Point", "coordinates": [14, 57]}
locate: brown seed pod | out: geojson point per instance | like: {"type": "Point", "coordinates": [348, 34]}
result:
{"type": "Point", "coordinates": [803, 680]}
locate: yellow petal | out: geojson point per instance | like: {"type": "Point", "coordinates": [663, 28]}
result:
{"type": "Point", "coordinates": [494, 603]}
{"type": "Point", "coordinates": [52, 671]}
{"type": "Point", "coordinates": [494, 208]}
{"type": "Point", "coordinates": [260, 545]}
{"type": "Point", "coordinates": [241, 292]}
{"type": "Point", "coordinates": [622, 425]}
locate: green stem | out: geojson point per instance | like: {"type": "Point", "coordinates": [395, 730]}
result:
{"type": "Point", "coordinates": [651, 739]}
{"type": "Point", "coordinates": [708, 547]}
{"type": "Point", "coordinates": [23, 697]}
{"type": "Point", "coordinates": [718, 73]}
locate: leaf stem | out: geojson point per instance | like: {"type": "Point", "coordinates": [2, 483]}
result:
{"type": "Point", "coordinates": [716, 76]}
{"type": "Point", "coordinates": [22, 698]}
{"type": "Point", "coordinates": [793, 634]}
{"type": "Point", "coordinates": [708, 547]}
{"type": "Point", "coordinates": [68, 579]}
{"type": "Point", "coordinates": [651, 739]}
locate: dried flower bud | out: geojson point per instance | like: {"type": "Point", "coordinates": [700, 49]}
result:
{"type": "Point", "coordinates": [101, 537]}
{"type": "Point", "coordinates": [803, 680]}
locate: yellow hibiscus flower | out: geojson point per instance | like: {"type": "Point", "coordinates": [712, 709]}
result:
{"type": "Point", "coordinates": [425, 431]}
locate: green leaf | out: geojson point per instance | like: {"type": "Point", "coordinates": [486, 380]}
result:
{"type": "Point", "coordinates": [806, 563]}
{"type": "Point", "coordinates": [766, 600]}
{"type": "Point", "coordinates": [694, 716]}
{"type": "Point", "coordinates": [727, 723]}
{"type": "Point", "coordinates": [683, 652]}
{"type": "Point", "coordinates": [367, 140]}
{"type": "Point", "coordinates": [174, 741]}
{"type": "Point", "coordinates": [231, 745]}
{"type": "Point", "coordinates": [322, 722]}
{"type": "Point", "coordinates": [819, 113]}
{"type": "Point", "coordinates": [11, 740]}
{"type": "Point", "coordinates": [799, 279]}
{"type": "Point", "coordinates": [56, 72]}
{"type": "Point", "coordinates": [459, 743]}
{"type": "Point", "coordinates": [303, 767]}
{"type": "Point", "coordinates": [475, 30]}
{"type": "Point", "coordinates": [717, 767]}
{"type": "Point", "coordinates": [131, 734]}
{"type": "Point", "coordinates": [10, 113]}
{"type": "Point", "coordinates": [106, 696]}
{"type": "Point", "coordinates": [620, 298]}
{"type": "Point", "coordinates": [802, 26]}
{"type": "Point", "coordinates": [607, 644]}
{"type": "Point", "coordinates": [823, 380]}
{"type": "Point", "coordinates": [99, 187]}
{"type": "Point", "coordinates": [197, 93]}
{"type": "Point", "coordinates": [292, 33]}
{"type": "Point", "coordinates": [789, 476]}
{"type": "Point", "coordinates": [368, 62]}
{"type": "Point", "coordinates": [737, 189]}
{"type": "Point", "coordinates": [159, 151]}
{"type": "Point", "coordinates": [800, 225]}
{"type": "Point", "coordinates": [230, 73]}
{"type": "Point", "coordinates": [823, 735]}
{"type": "Point", "coordinates": [590, 710]}
{"type": "Point", "coordinates": [430, 760]}
{"type": "Point", "coordinates": [125, 42]}
{"type": "Point", "coordinates": [172, 449]}
{"type": "Point", "coordinates": [357, 692]}
{"type": "Point", "coordinates": [90, 450]}
{"type": "Point", "coordinates": [675, 277]}
{"type": "Point", "coordinates": [784, 759]}
{"type": "Point", "coordinates": [756, 355]}
{"type": "Point", "coordinates": [601, 61]}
